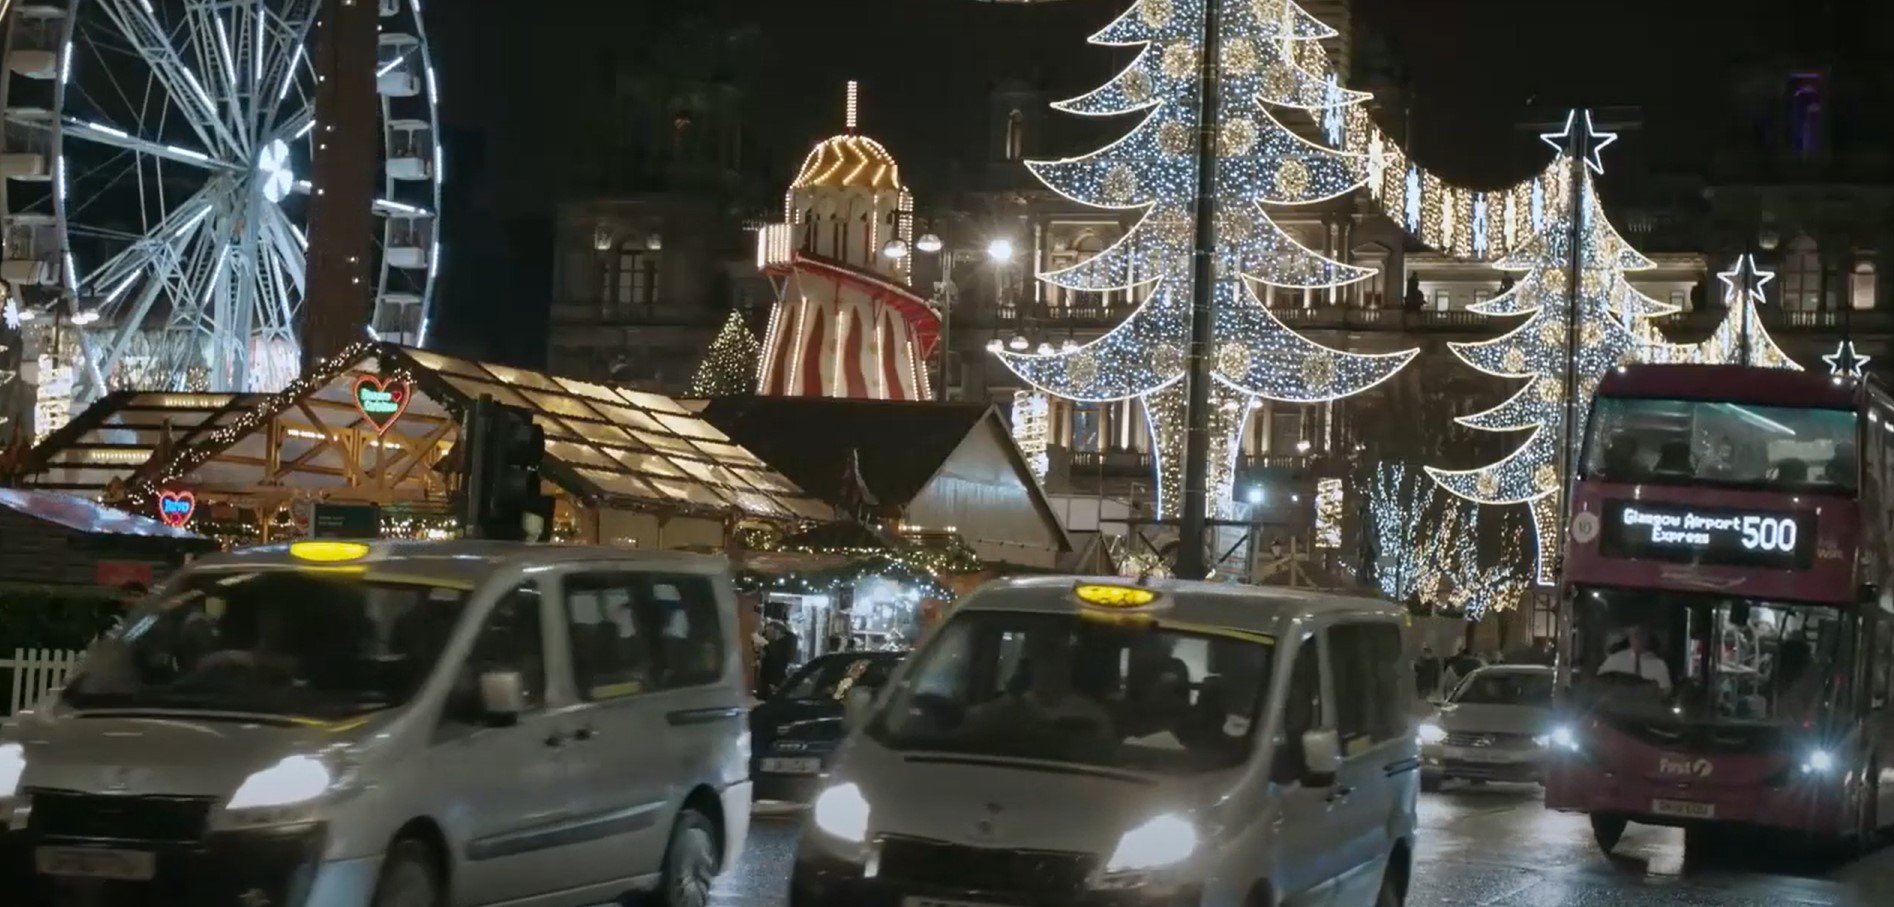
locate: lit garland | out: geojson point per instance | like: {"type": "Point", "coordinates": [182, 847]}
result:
{"type": "Point", "coordinates": [52, 401]}
{"type": "Point", "coordinates": [1429, 547]}
{"type": "Point", "coordinates": [729, 366]}
{"type": "Point", "coordinates": [1153, 168]}
{"type": "Point", "coordinates": [6, 377]}
{"type": "Point", "coordinates": [1470, 224]}
{"type": "Point", "coordinates": [1845, 361]}
{"type": "Point", "coordinates": [1030, 430]}
{"type": "Point", "coordinates": [1725, 345]}
{"type": "Point", "coordinates": [884, 565]}
{"type": "Point", "coordinates": [1537, 350]}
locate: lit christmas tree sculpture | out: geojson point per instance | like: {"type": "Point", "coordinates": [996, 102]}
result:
{"type": "Point", "coordinates": [1739, 339]}
{"type": "Point", "coordinates": [1538, 351]}
{"type": "Point", "coordinates": [1154, 168]}
{"type": "Point", "coordinates": [729, 366]}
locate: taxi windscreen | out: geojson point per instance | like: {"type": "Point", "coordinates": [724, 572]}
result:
{"type": "Point", "coordinates": [289, 642]}
{"type": "Point", "coordinates": [1060, 687]}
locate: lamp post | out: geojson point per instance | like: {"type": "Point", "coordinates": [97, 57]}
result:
{"type": "Point", "coordinates": [999, 252]}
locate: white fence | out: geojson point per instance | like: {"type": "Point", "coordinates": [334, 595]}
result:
{"type": "Point", "coordinates": [36, 672]}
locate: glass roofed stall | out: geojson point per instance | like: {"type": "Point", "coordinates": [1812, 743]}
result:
{"type": "Point", "coordinates": [121, 431]}
{"type": "Point", "coordinates": [380, 424]}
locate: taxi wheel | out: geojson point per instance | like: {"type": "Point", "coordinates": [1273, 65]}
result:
{"type": "Point", "coordinates": [691, 861]}
{"type": "Point", "coordinates": [1390, 894]}
{"type": "Point", "coordinates": [407, 877]}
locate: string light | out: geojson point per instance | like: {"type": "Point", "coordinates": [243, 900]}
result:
{"type": "Point", "coordinates": [729, 366]}
{"type": "Point", "coordinates": [1844, 361]}
{"type": "Point", "coordinates": [1429, 548]}
{"type": "Point", "coordinates": [1030, 424]}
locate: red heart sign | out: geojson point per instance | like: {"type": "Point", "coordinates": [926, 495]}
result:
{"type": "Point", "coordinates": [175, 507]}
{"type": "Point", "coordinates": [381, 400]}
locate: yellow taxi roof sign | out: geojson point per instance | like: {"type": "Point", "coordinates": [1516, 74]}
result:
{"type": "Point", "coordinates": [1112, 595]}
{"type": "Point", "coordinates": [328, 552]}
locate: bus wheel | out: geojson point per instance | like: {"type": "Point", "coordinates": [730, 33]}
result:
{"type": "Point", "coordinates": [1606, 830]}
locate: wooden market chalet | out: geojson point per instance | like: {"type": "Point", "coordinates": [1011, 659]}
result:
{"type": "Point", "coordinates": [378, 424]}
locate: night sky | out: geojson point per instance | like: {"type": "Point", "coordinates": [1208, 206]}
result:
{"type": "Point", "coordinates": [522, 93]}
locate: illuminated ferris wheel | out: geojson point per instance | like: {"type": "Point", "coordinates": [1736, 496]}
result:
{"type": "Point", "coordinates": [155, 155]}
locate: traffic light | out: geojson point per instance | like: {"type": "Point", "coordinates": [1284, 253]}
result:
{"type": "Point", "coordinates": [500, 482]}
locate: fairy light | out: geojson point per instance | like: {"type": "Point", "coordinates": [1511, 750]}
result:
{"type": "Point", "coordinates": [1429, 548]}
{"type": "Point", "coordinates": [1030, 429]}
{"type": "Point", "coordinates": [729, 366]}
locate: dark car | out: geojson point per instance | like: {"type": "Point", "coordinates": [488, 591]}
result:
{"type": "Point", "coordinates": [794, 731]}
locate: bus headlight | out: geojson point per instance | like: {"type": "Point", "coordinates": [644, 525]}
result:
{"type": "Point", "coordinates": [1819, 762]}
{"type": "Point", "coordinates": [1430, 733]}
{"type": "Point", "coordinates": [1560, 738]}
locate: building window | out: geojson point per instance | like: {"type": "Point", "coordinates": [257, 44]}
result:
{"type": "Point", "coordinates": [632, 283]}
{"type": "Point", "coordinates": [1285, 432]}
{"type": "Point", "coordinates": [1085, 427]}
{"type": "Point", "coordinates": [1861, 286]}
{"type": "Point", "coordinates": [1443, 300]}
{"type": "Point", "coordinates": [1015, 136]}
{"type": "Point", "coordinates": [1480, 296]}
{"type": "Point", "coordinates": [1680, 299]}
{"type": "Point", "coordinates": [1802, 277]}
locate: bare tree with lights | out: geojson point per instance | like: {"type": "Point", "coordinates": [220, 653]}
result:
{"type": "Point", "coordinates": [1153, 169]}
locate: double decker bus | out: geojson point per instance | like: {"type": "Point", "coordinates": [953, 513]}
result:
{"type": "Point", "coordinates": [1727, 624]}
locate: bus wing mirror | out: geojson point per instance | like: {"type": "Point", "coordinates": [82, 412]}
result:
{"type": "Point", "coordinates": [1868, 593]}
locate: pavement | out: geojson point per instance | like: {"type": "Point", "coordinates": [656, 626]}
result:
{"type": "Point", "coordinates": [1497, 846]}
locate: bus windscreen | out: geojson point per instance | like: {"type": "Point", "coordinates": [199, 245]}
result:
{"type": "Point", "coordinates": [1701, 442]}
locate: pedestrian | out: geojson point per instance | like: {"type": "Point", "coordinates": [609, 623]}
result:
{"type": "Point", "coordinates": [779, 654]}
{"type": "Point", "coordinates": [1463, 662]}
{"type": "Point", "coordinates": [1427, 672]}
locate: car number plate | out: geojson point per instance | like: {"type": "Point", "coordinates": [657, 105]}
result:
{"type": "Point", "coordinates": [95, 863]}
{"type": "Point", "coordinates": [1473, 755]}
{"type": "Point", "coordinates": [792, 766]}
{"type": "Point", "coordinates": [1683, 809]}
{"type": "Point", "coordinates": [912, 901]}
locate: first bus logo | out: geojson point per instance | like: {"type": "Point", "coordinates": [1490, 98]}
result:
{"type": "Point", "coordinates": [1684, 768]}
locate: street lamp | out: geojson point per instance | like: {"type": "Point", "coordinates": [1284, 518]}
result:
{"type": "Point", "coordinates": [1000, 251]}
{"type": "Point", "coordinates": [929, 244]}
{"type": "Point", "coordinates": [895, 249]}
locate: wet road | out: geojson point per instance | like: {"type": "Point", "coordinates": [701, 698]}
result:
{"type": "Point", "coordinates": [1499, 847]}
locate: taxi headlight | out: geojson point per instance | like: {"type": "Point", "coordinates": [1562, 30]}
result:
{"type": "Point", "coordinates": [842, 812]}
{"type": "Point", "coordinates": [1164, 841]}
{"type": "Point", "coordinates": [295, 780]}
{"type": "Point", "coordinates": [1430, 733]}
{"type": "Point", "coordinates": [12, 768]}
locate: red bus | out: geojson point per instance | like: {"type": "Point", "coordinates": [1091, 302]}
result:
{"type": "Point", "coordinates": [1727, 624]}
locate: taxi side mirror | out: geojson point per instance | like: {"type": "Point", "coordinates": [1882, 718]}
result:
{"type": "Point", "coordinates": [1321, 758]}
{"type": "Point", "coordinates": [502, 697]}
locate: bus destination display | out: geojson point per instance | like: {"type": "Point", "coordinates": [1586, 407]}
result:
{"type": "Point", "coordinates": [1710, 536]}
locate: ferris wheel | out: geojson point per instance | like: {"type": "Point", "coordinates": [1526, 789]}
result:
{"type": "Point", "coordinates": [155, 156]}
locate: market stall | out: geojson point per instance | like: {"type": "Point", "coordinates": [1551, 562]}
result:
{"type": "Point", "coordinates": [367, 440]}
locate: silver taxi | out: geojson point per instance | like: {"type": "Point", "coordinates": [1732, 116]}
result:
{"type": "Point", "coordinates": [1101, 741]}
{"type": "Point", "coordinates": [396, 724]}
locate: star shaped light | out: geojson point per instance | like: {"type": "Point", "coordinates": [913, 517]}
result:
{"type": "Point", "coordinates": [1591, 140]}
{"type": "Point", "coordinates": [1844, 361]}
{"type": "Point", "coordinates": [10, 314]}
{"type": "Point", "coordinates": [1745, 273]}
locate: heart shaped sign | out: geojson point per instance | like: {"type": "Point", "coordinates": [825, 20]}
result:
{"type": "Point", "coordinates": [175, 507]}
{"type": "Point", "coordinates": [381, 400]}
